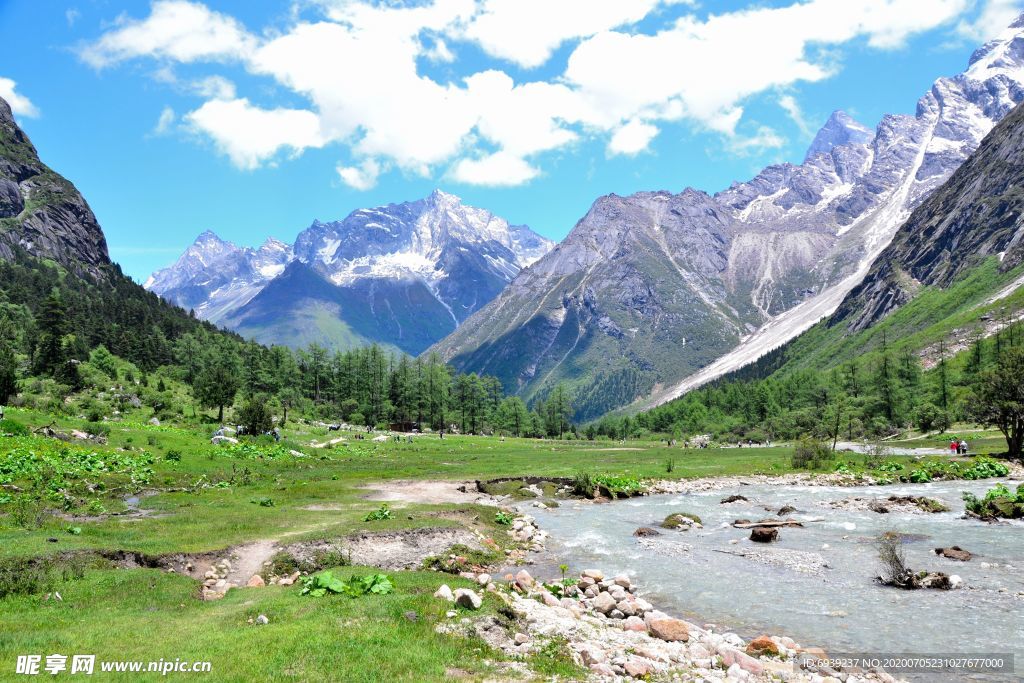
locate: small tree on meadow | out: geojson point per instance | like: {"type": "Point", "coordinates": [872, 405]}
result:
{"type": "Point", "coordinates": [999, 398]}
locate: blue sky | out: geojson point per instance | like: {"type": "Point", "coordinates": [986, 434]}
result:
{"type": "Point", "coordinates": [252, 118]}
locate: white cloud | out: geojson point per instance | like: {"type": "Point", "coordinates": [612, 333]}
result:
{"type": "Point", "coordinates": [72, 15]}
{"type": "Point", "coordinates": [251, 136]}
{"type": "Point", "coordinates": [20, 105]}
{"type": "Point", "coordinates": [357, 64]}
{"type": "Point", "coordinates": [764, 139]}
{"type": "Point", "coordinates": [632, 138]}
{"type": "Point", "coordinates": [526, 32]}
{"type": "Point", "coordinates": [500, 169]}
{"type": "Point", "coordinates": [362, 177]}
{"type": "Point", "coordinates": [994, 17]}
{"type": "Point", "coordinates": [165, 121]}
{"type": "Point", "coordinates": [175, 29]}
{"type": "Point", "coordinates": [793, 110]}
{"type": "Point", "coordinates": [216, 87]}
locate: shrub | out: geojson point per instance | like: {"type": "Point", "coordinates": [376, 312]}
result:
{"type": "Point", "coordinates": [894, 562]}
{"type": "Point", "coordinates": [24, 576]}
{"type": "Point", "coordinates": [12, 427]}
{"type": "Point", "coordinates": [811, 454]}
{"type": "Point", "coordinates": [583, 484]}
{"type": "Point", "coordinates": [98, 429]}
{"type": "Point", "coordinates": [256, 417]}
{"type": "Point", "coordinates": [27, 512]}
{"type": "Point", "coordinates": [173, 456]}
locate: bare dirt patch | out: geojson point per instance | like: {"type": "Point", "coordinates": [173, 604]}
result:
{"type": "Point", "coordinates": [428, 492]}
{"type": "Point", "coordinates": [406, 549]}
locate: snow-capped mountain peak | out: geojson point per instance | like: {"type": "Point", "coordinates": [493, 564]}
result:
{"type": "Point", "coordinates": [462, 255]}
{"type": "Point", "coordinates": [840, 129]}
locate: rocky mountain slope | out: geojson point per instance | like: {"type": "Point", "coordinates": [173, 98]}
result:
{"type": "Point", "coordinates": [41, 213]}
{"type": "Point", "coordinates": [655, 293]}
{"type": "Point", "coordinates": [977, 214]}
{"type": "Point", "coordinates": [50, 242]}
{"type": "Point", "coordinates": [403, 274]}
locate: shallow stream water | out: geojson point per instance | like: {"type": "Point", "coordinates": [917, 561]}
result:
{"type": "Point", "coordinates": [831, 600]}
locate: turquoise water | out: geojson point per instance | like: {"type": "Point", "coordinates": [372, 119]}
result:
{"type": "Point", "coordinates": [699, 574]}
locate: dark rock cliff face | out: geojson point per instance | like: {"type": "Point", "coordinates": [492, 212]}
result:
{"type": "Point", "coordinates": [976, 214]}
{"type": "Point", "coordinates": [41, 213]}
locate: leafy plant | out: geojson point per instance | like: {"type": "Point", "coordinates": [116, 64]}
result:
{"type": "Point", "coordinates": [380, 514]}
{"type": "Point", "coordinates": [321, 584]}
{"type": "Point", "coordinates": [503, 518]}
{"type": "Point", "coordinates": [263, 502]}
{"type": "Point", "coordinates": [173, 456]}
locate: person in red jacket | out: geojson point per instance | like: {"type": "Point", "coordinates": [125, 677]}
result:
{"type": "Point", "coordinates": [954, 446]}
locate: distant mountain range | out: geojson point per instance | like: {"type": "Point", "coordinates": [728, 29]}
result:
{"type": "Point", "coordinates": [655, 293]}
{"type": "Point", "coordinates": [404, 275]}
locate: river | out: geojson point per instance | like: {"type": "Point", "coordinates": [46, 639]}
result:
{"type": "Point", "coordinates": [831, 600]}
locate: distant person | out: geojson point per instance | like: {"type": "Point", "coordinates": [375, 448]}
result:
{"type": "Point", "coordinates": [963, 447]}
{"type": "Point", "coordinates": [954, 447]}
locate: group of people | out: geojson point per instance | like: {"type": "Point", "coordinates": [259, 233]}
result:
{"type": "Point", "coordinates": [957, 447]}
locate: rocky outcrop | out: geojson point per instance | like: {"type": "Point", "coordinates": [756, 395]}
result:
{"type": "Point", "coordinates": [974, 216]}
{"type": "Point", "coordinates": [41, 213]}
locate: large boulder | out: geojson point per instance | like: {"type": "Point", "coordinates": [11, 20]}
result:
{"type": "Point", "coordinates": [954, 552]}
{"type": "Point", "coordinates": [667, 628]}
{"type": "Point", "coordinates": [764, 534]}
{"type": "Point", "coordinates": [645, 531]}
{"type": "Point", "coordinates": [464, 597]}
{"type": "Point", "coordinates": [762, 645]}
{"type": "Point", "coordinates": [604, 603]}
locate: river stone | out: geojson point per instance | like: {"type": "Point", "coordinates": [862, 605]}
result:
{"type": "Point", "coordinates": [634, 624]}
{"type": "Point", "coordinates": [445, 593]}
{"type": "Point", "coordinates": [672, 630]}
{"type": "Point", "coordinates": [550, 600]}
{"type": "Point", "coordinates": [524, 579]}
{"type": "Point", "coordinates": [623, 581]}
{"type": "Point", "coordinates": [483, 579]}
{"type": "Point", "coordinates": [595, 574]}
{"type": "Point", "coordinates": [732, 656]}
{"type": "Point", "coordinates": [645, 531]}
{"type": "Point", "coordinates": [627, 607]}
{"type": "Point", "coordinates": [521, 638]}
{"type": "Point", "coordinates": [604, 603]}
{"type": "Point", "coordinates": [262, 619]}
{"type": "Point", "coordinates": [256, 581]}
{"type": "Point", "coordinates": [762, 534]}
{"type": "Point", "coordinates": [637, 667]}
{"type": "Point", "coordinates": [591, 654]}
{"type": "Point", "coordinates": [762, 645]}
{"type": "Point", "coordinates": [464, 597]}
{"type": "Point", "coordinates": [954, 553]}
{"type": "Point", "coordinates": [616, 614]}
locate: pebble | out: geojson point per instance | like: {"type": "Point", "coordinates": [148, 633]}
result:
{"type": "Point", "coordinates": [262, 619]}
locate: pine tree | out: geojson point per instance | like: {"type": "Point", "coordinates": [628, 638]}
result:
{"type": "Point", "coordinates": [8, 373]}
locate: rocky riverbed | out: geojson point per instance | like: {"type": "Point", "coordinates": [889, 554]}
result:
{"type": "Point", "coordinates": [618, 635]}
{"type": "Point", "coordinates": [817, 581]}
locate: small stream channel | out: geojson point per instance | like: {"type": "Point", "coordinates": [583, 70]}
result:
{"type": "Point", "coordinates": [699, 573]}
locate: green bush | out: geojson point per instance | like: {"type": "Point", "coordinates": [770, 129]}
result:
{"type": "Point", "coordinates": [811, 454]}
{"type": "Point", "coordinates": [12, 427]}
{"type": "Point", "coordinates": [24, 576]}
{"type": "Point", "coordinates": [173, 456]}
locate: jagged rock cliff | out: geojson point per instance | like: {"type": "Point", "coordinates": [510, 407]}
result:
{"type": "Point", "coordinates": [41, 213]}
